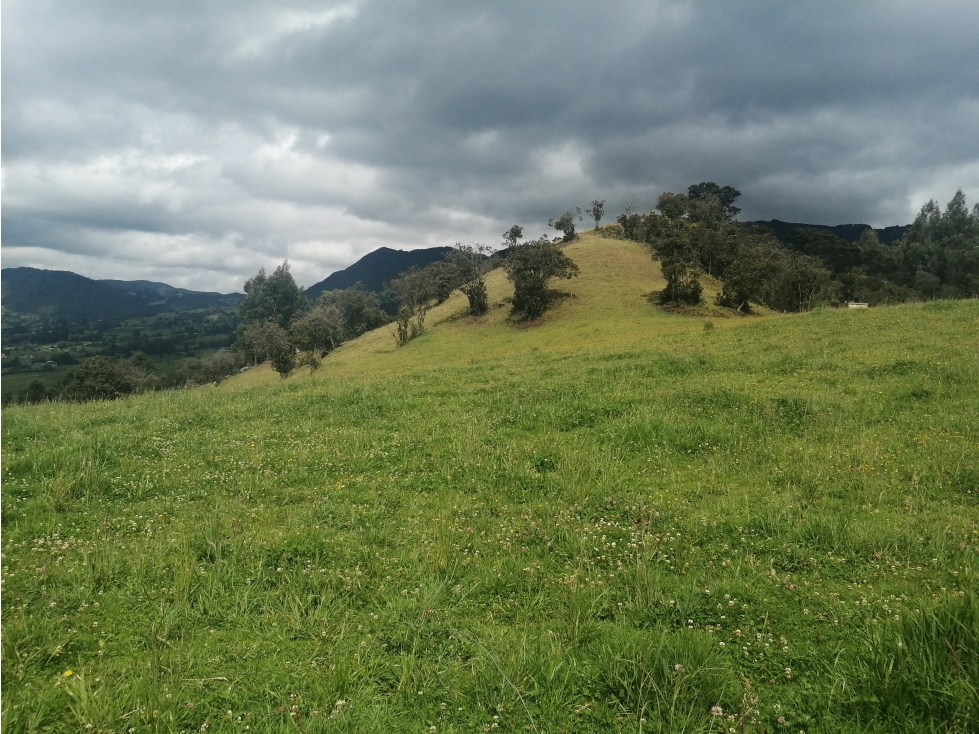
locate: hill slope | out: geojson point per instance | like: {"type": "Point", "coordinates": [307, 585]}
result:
{"type": "Point", "coordinates": [608, 521]}
{"type": "Point", "coordinates": [609, 304]}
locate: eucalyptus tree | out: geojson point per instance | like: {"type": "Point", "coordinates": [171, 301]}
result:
{"type": "Point", "coordinates": [597, 211]}
{"type": "Point", "coordinates": [274, 297]}
{"type": "Point", "coordinates": [471, 263]}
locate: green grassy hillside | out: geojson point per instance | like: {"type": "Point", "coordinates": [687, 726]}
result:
{"type": "Point", "coordinates": [607, 307]}
{"type": "Point", "coordinates": [612, 520]}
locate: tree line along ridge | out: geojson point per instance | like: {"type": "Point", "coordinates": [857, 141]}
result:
{"type": "Point", "coordinates": [692, 235]}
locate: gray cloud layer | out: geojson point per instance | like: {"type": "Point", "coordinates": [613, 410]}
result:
{"type": "Point", "coordinates": [194, 143]}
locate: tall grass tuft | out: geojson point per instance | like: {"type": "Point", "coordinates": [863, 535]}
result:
{"type": "Point", "coordinates": [677, 681]}
{"type": "Point", "coordinates": [75, 481]}
{"type": "Point", "coordinates": [921, 672]}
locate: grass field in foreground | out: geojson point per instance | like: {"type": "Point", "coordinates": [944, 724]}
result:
{"type": "Point", "coordinates": [635, 525]}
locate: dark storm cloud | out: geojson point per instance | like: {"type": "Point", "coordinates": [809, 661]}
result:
{"type": "Point", "coordinates": [195, 143]}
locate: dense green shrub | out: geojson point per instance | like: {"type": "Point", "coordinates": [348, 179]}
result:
{"type": "Point", "coordinates": [98, 378]}
{"type": "Point", "coordinates": [529, 267]}
{"type": "Point", "coordinates": [415, 289]}
{"type": "Point", "coordinates": [357, 310]}
{"type": "Point", "coordinates": [937, 258]}
{"type": "Point", "coordinates": [682, 285]}
{"type": "Point", "coordinates": [36, 392]}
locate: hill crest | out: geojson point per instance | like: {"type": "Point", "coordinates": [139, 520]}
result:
{"type": "Point", "coordinates": [611, 302]}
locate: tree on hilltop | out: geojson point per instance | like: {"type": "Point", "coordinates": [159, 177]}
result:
{"type": "Point", "coordinates": [529, 267]}
{"type": "Point", "coordinates": [443, 276]}
{"type": "Point", "coordinates": [597, 211]}
{"type": "Point", "coordinates": [673, 206]}
{"type": "Point", "coordinates": [836, 253]}
{"type": "Point", "coordinates": [318, 333]}
{"type": "Point", "coordinates": [565, 223]}
{"type": "Point", "coordinates": [512, 236]}
{"type": "Point", "coordinates": [338, 316]}
{"type": "Point", "coordinates": [271, 304]}
{"type": "Point", "coordinates": [941, 249]}
{"type": "Point", "coordinates": [631, 220]}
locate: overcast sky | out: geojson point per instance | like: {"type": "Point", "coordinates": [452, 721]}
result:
{"type": "Point", "coordinates": [195, 142]}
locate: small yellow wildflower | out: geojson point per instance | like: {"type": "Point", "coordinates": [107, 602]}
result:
{"type": "Point", "coordinates": [68, 673]}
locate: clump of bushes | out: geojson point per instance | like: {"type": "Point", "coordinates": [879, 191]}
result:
{"type": "Point", "coordinates": [938, 257]}
{"type": "Point", "coordinates": [529, 267]}
{"type": "Point", "coordinates": [682, 284]}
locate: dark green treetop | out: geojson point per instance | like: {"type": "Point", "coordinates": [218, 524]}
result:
{"type": "Point", "coordinates": [273, 297]}
{"type": "Point", "coordinates": [529, 267]}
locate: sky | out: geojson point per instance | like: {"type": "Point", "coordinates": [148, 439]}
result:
{"type": "Point", "coordinates": [195, 142]}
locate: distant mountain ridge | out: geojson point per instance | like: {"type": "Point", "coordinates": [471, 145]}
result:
{"type": "Point", "coordinates": [849, 232]}
{"type": "Point", "coordinates": [65, 295]}
{"type": "Point", "coordinates": [376, 268]}
{"type": "Point", "coordinates": [62, 294]}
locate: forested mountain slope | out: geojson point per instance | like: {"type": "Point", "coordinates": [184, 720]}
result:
{"type": "Point", "coordinates": [65, 295]}
{"type": "Point", "coordinates": [374, 270]}
{"type": "Point", "coordinates": [847, 232]}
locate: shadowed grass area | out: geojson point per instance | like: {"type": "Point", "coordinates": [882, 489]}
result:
{"type": "Point", "coordinates": [612, 520]}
